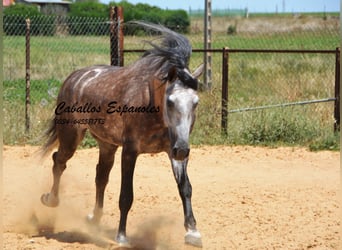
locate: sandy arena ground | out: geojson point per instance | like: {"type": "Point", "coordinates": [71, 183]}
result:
{"type": "Point", "coordinates": [243, 198]}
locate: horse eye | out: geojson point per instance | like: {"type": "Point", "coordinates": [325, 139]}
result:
{"type": "Point", "coordinates": [170, 102]}
{"type": "Point", "coordinates": [195, 102]}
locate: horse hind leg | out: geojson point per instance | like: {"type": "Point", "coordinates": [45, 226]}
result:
{"type": "Point", "coordinates": [68, 142]}
{"type": "Point", "coordinates": [103, 168]}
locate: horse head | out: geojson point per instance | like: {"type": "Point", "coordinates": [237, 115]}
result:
{"type": "Point", "coordinates": [180, 104]}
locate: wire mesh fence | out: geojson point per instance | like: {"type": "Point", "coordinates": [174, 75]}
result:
{"type": "Point", "coordinates": [60, 45]}
{"type": "Point", "coordinates": [287, 79]}
{"type": "Point", "coordinates": [57, 47]}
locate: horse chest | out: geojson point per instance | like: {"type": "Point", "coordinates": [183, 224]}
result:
{"type": "Point", "coordinates": [154, 141]}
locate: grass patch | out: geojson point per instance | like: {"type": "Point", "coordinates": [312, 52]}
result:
{"type": "Point", "coordinates": [309, 125]}
{"type": "Point", "coordinates": [326, 141]}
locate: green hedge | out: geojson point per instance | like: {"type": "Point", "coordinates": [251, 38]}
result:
{"type": "Point", "coordinates": [89, 9]}
{"type": "Point", "coordinates": [81, 21]}
{"type": "Point", "coordinates": [15, 21]}
{"type": "Point", "coordinates": [22, 10]}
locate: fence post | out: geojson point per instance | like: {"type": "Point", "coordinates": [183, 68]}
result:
{"type": "Point", "coordinates": [27, 78]}
{"type": "Point", "coordinates": [224, 99]}
{"type": "Point", "coordinates": [337, 90]}
{"type": "Point", "coordinates": [120, 20]}
{"type": "Point", "coordinates": [207, 45]}
{"type": "Point", "coordinates": [116, 36]}
{"type": "Point", "coordinates": [113, 38]}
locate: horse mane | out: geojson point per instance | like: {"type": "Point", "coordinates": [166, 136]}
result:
{"type": "Point", "coordinates": [170, 51]}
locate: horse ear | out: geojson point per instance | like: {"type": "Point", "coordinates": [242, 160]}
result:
{"type": "Point", "coordinates": [198, 72]}
{"type": "Point", "coordinates": [172, 74]}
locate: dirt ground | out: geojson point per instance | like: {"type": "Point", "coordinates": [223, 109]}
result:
{"type": "Point", "coordinates": [243, 198]}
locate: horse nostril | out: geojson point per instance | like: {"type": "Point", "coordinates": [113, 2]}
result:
{"type": "Point", "coordinates": [174, 152]}
{"type": "Point", "coordinates": [187, 152]}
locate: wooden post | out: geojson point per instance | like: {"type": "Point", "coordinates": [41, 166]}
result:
{"type": "Point", "coordinates": [120, 20]}
{"type": "Point", "coordinates": [337, 90]}
{"type": "Point", "coordinates": [113, 38]}
{"type": "Point", "coordinates": [116, 36]}
{"type": "Point", "coordinates": [27, 78]}
{"type": "Point", "coordinates": [224, 99]}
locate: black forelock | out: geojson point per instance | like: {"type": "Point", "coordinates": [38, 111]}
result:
{"type": "Point", "coordinates": [170, 49]}
{"type": "Point", "coordinates": [187, 79]}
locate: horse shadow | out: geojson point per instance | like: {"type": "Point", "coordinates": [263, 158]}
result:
{"type": "Point", "coordinates": [101, 237]}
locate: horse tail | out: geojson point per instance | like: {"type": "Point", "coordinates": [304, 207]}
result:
{"type": "Point", "coordinates": [52, 139]}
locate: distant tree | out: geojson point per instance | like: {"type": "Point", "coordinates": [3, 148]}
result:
{"type": "Point", "coordinates": [87, 1]}
{"type": "Point", "coordinates": [88, 9]}
{"type": "Point", "coordinates": [177, 20]}
{"type": "Point", "coordinates": [79, 15]}
{"type": "Point", "coordinates": [15, 21]}
{"type": "Point", "coordinates": [25, 10]}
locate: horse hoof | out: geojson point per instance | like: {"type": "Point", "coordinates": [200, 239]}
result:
{"type": "Point", "coordinates": [193, 238]}
{"type": "Point", "coordinates": [49, 200]}
{"type": "Point", "coordinates": [92, 219]}
{"type": "Point", "coordinates": [122, 241]}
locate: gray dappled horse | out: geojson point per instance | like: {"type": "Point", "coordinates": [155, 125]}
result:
{"type": "Point", "coordinates": [147, 107]}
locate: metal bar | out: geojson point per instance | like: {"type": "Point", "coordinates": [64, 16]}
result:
{"type": "Point", "coordinates": [27, 77]}
{"type": "Point", "coordinates": [337, 91]}
{"type": "Point", "coordinates": [267, 51]}
{"type": "Point", "coordinates": [134, 50]}
{"type": "Point", "coordinates": [282, 105]}
{"type": "Point", "coordinates": [224, 100]}
{"type": "Point", "coordinates": [249, 51]}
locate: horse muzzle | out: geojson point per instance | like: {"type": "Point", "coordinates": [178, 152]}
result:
{"type": "Point", "coordinates": [180, 153]}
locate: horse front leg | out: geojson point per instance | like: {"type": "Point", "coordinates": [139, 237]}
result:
{"type": "Point", "coordinates": [192, 236]}
{"type": "Point", "coordinates": [128, 160]}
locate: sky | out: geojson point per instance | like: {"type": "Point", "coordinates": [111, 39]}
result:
{"type": "Point", "coordinates": [294, 6]}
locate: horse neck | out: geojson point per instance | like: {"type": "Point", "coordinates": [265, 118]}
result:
{"type": "Point", "coordinates": [157, 93]}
